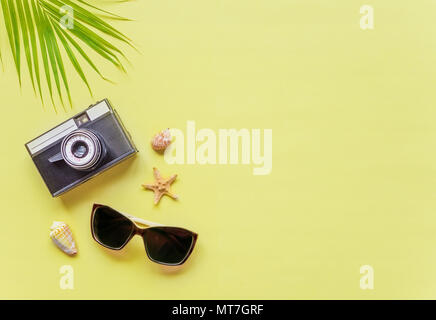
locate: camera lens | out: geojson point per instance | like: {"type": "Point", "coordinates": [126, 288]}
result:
{"type": "Point", "coordinates": [81, 149]}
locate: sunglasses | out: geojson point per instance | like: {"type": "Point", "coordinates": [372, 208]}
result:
{"type": "Point", "coordinates": [163, 244]}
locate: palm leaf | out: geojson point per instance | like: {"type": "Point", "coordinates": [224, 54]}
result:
{"type": "Point", "coordinates": [43, 48]}
{"type": "Point", "coordinates": [10, 20]}
{"type": "Point", "coordinates": [34, 30]}
{"type": "Point", "coordinates": [70, 54]}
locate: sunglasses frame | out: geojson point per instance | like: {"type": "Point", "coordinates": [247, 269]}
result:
{"type": "Point", "coordinates": [141, 232]}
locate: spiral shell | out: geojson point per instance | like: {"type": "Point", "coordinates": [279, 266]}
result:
{"type": "Point", "coordinates": [63, 237]}
{"type": "Point", "coordinates": [161, 141]}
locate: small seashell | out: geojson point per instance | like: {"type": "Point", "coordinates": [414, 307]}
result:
{"type": "Point", "coordinates": [63, 237]}
{"type": "Point", "coordinates": [161, 141]}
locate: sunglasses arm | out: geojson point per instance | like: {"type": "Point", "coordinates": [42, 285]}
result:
{"type": "Point", "coordinates": [144, 222]}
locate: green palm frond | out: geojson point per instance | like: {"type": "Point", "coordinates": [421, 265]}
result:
{"type": "Point", "coordinates": [37, 35]}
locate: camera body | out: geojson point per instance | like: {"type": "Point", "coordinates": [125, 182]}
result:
{"type": "Point", "coordinates": [81, 148]}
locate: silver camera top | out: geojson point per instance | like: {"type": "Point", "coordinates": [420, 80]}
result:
{"type": "Point", "coordinates": [67, 127]}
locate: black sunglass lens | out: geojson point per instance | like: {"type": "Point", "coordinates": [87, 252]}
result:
{"type": "Point", "coordinates": [111, 228]}
{"type": "Point", "coordinates": [168, 245]}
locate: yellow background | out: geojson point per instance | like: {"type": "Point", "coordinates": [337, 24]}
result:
{"type": "Point", "coordinates": [353, 178]}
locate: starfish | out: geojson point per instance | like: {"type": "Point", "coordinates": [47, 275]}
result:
{"type": "Point", "coordinates": [161, 186]}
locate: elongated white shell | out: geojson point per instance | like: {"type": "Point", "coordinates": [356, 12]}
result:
{"type": "Point", "coordinates": [63, 237]}
{"type": "Point", "coordinates": [161, 141]}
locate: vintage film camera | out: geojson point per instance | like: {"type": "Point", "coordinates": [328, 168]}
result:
{"type": "Point", "coordinates": [81, 148]}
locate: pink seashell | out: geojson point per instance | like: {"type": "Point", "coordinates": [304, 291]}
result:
{"type": "Point", "coordinates": [161, 141]}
